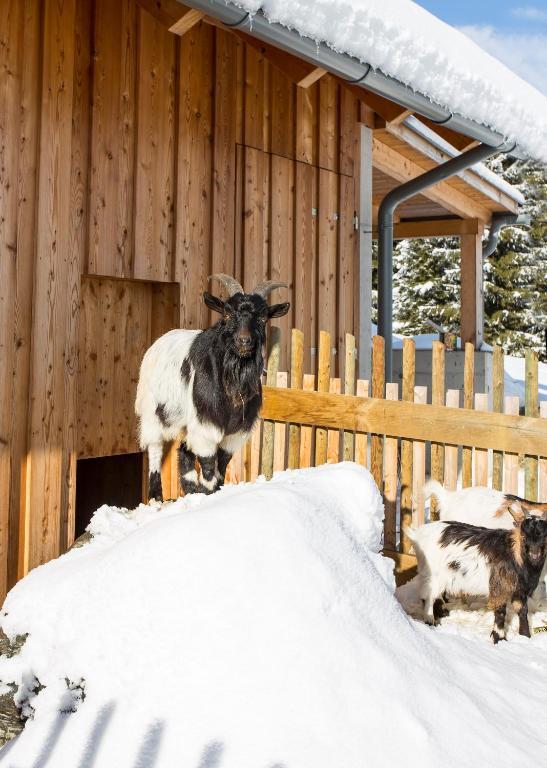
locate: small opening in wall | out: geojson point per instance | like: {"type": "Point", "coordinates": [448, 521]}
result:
{"type": "Point", "coordinates": [114, 480]}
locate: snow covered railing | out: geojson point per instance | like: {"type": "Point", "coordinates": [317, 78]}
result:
{"type": "Point", "coordinates": [399, 440]}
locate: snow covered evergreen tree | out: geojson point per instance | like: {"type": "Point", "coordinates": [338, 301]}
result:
{"type": "Point", "coordinates": [427, 275]}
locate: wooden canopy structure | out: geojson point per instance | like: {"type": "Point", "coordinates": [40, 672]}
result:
{"type": "Point", "coordinates": [143, 147]}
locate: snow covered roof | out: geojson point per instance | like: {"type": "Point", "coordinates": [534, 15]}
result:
{"type": "Point", "coordinates": [407, 43]}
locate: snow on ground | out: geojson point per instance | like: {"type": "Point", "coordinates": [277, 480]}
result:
{"type": "Point", "coordinates": [407, 42]}
{"type": "Point", "coordinates": [258, 628]}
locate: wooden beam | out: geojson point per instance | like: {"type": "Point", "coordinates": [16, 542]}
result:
{"type": "Point", "coordinates": [411, 421]}
{"type": "Point", "coordinates": [401, 168]}
{"type": "Point", "coordinates": [472, 299]}
{"type": "Point", "coordinates": [438, 156]}
{"type": "Point", "coordinates": [315, 74]}
{"type": "Point", "coordinates": [433, 228]}
{"type": "Point", "coordinates": [458, 140]}
{"type": "Point", "coordinates": [188, 20]}
{"type": "Point", "coordinates": [401, 117]}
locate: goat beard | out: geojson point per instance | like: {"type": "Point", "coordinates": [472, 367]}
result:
{"type": "Point", "coordinates": [241, 376]}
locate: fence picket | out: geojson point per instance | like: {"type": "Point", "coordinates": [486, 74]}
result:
{"type": "Point", "coordinates": [361, 438]}
{"type": "Point", "coordinates": [349, 389]}
{"type": "Point", "coordinates": [390, 480]}
{"type": "Point", "coordinates": [297, 362]}
{"type": "Point", "coordinates": [451, 451]}
{"type": "Point", "coordinates": [280, 430]}
{"type": "Point", "coordinates": [333, 435]}
{"type": "Point", "coordinates": [378, 383]}
{"type": "Point", "coordinates": [542, 495]}
{"type": "Point", "coordinates": [481, 455]}
{"type": "Point", "coordinates": [271, 381]}
{"type": "Point", "coordinates": [323, 378]}
{"type": "Point", "coordinates": [418, 468]}
{"type": "Point", "coordinates": [468, 384]}
{"type": "Point", "coordinates": [511, 460]}
{"type": "Point", "coordinates": [306, 433]}
{"type": "Point", "coordinates": [409, 374]}
{"type": "Point", "coordinates": [531, 408]}
{"type": "Point", "coordinates": [497, 403]}
{"type": "Point", "coordinates": [437, 398]}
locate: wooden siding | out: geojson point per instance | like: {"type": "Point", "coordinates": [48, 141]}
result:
{"type": "Point", "coordinates": [127, 152]}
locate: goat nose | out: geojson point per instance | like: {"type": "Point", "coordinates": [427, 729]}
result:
{"type": "Point", "coordinates": [245, 340]}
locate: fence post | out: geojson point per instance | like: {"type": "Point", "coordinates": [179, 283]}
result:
{"type": "Point", "coordinates": [498, 375]}
{"type": "Point", "coordinates": [531, 408]}
{"type": "Point", "coordinates": [451, 451]}
{"type": "Point", "coordinates": [378, 384]}
{"type": "Point", "coordinates": [323, 381]}
{"type": "Point", "coordinates": [361, 438]}
{"type": "Point", "coordinates": [306, 433]}
{"type": "Point", "coordinates": [390, 480]}
{"type": "Point", "coordinates": [280, 430]}
{"type": "Point", "coordinates": [349, 389]}
{"type": "Point", "coordinates": [437, 398]}
{"type": "Point", "coordinates": [271, 381]}
{"type": "Point", "coordinates": [511, 460]}
{"type": "Point", "coordinates": [297, 358]}
{"type": "Point", "coordinates": [409, 374]}
{"type": "Point", "coordinates": [468, 386]}
{"type": "Point", "coordinates": [481, 455]}
{"type": "Point", "coordinates": [418, 468]}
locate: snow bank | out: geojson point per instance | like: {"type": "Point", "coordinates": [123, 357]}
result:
{"type": "Point", "coordinates": [258, 628]}
{"type": "Point", "coordinates": [403, 40]}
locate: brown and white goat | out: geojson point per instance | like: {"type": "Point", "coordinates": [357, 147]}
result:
{"type": "Point", "coordinates": [502, 564]}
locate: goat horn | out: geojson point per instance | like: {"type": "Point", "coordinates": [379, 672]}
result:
{"type": "Point", "coordinates": [230, 283]}
{"type": "Point", "coordinates": [265, 288]}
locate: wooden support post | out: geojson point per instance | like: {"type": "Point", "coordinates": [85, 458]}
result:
{"type": "Point", "coordinates": [481, 456]}
{"type": "Point", "coordinates": [409, 367]}
{"type": "Point", "coordinates": [472, 311]}
{"type": "Point", "coordinates": [531, 408]}
{"type": "Point", "coordinates": [280, 430]}
{"type": "Point", "coordinates": [418, 470]}
{"type": "Point", "coordinates": [542, 495]}
{"type": "Point", "coordinates": [312, 77]}
{"type": "Point", "coordinates": [186, 21]}
{"type": "Point", "coordinates": [365, 253]}
{"type": "Point", "coordinates": [323, 380]}
{"type": "Point", "coordinates": [498, 392]}
{"type": "Point", "coordinates": [333, 435]}
{"type": "Point", "coordinates": [306, 433]}
{"type": "Point", "coordinates": [361, 438]}
{"type": "Point", "coordinates": [511, 460]}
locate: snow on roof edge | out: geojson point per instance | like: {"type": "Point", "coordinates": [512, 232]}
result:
{"type": "Point", "coordinates": [411, 45]}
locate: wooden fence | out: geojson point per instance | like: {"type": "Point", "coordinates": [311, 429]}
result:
{"type": "Point", "coordinates": [310, 419]}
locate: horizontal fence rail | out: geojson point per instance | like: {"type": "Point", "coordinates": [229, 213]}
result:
{"type": "Point", "coordinates": [402, 432]}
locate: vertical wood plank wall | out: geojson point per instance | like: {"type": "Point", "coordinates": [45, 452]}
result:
{"type": "Point", "coordinates": [128, 152]}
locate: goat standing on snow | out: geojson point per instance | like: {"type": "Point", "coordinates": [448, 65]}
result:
{"type": "Point", "coordinates": [503, 565]}
{"type": "Point", "coordinates": [204, 388]}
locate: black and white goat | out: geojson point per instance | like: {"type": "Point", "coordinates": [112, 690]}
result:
{"type": "Point", "coordinates": [203, 388]}
{"type": "Point", "coordinates": [502, 564]}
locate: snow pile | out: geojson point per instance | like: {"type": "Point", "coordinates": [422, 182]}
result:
{"type": "Point", "coordinates": [403, 40]}
{"type": "Point", "coordinates": [258, 628]}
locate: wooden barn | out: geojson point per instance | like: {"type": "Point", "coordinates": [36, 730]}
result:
{"type": "Point", "coordinates": [145, 145]}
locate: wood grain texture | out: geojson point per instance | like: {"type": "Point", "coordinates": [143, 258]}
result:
{"type": "Point", "coordinates": [268, 429]}
{"type": "Point", "coordinates": [418, 472]}
{"type": "Point", "coordinates": [333, 435]}
{"type": "Point", "coordinates": [511, 460]}
{"type": "Point", "coordinates": [361, 440]}
{"type": "Point", "coordinates": [306, 433]}
{"type": "Point", "coordinates": [542, 489]}
{"type": "Point", "coordinates": [409, 373]}
{"type": "Point", "coordinates": [437, 398]}
{"type": "Point", "coordinates": [323, 381]}
{"type": "Point", "coordinates": [280, 430]}
{"type": "Point", "coordinates": [498, 377]}
{"type": "Point", "coordinates": [480, 475]}
{"type": "Point", "coordinates": [297, 361]}
{"type": "Point", "coordinates": [155, 151]}
{"type": "Point", "coordinates": [468, 389]}
{"type": "Point", "coordinates": [531, 408]}
{"type": "Point", "coordinates": [451, 451]}
{"type": "Point", "coordinates": [378, 391]}
{"type": "Point", "coordinates": [349, 389]}
{"type": "Point", "coordinates": [391, 478]}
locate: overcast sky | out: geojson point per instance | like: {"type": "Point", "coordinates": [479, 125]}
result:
{"type": "Point", "coordinates": [515, 34]}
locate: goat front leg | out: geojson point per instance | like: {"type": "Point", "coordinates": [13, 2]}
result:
{"type": "Point", "coordinates": [209, 479]}
{"type": "Point", "coordinates": [520, 605]}
{"type": "Point", "coordinates": [155, 456]}
{"type": "Point", "coordinates": [187, 470]}
{"type": "Point", "coordinates": [498, 631]}
{"type": "Point", "coordinates": [223, 459]}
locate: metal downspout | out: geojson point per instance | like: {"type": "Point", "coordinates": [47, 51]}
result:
{"type": "Point", "coordinates": [499, 221]}
{"type": "Point", "coordinates": [385, 231]}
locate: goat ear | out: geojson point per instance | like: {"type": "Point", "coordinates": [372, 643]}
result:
{"type": "Point", "coordinates": [278, 310]}
{"type": "Point", "coordinates": [217, 305]}
{"type": "Point", "coordinates": [517, 511]}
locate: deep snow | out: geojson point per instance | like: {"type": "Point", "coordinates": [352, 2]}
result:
{"type": "Point", "coordinates": [403, 40]}
{"type": "Point", "coordinates": [258, 628]}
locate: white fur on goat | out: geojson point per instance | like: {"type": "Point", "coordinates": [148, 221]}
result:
{"type": "Point", "coordinates": [160, 382]}
{"type": "Point", "coordinates": [436, 575]}
{"type": "Point", "coordinates": [477, 506]}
